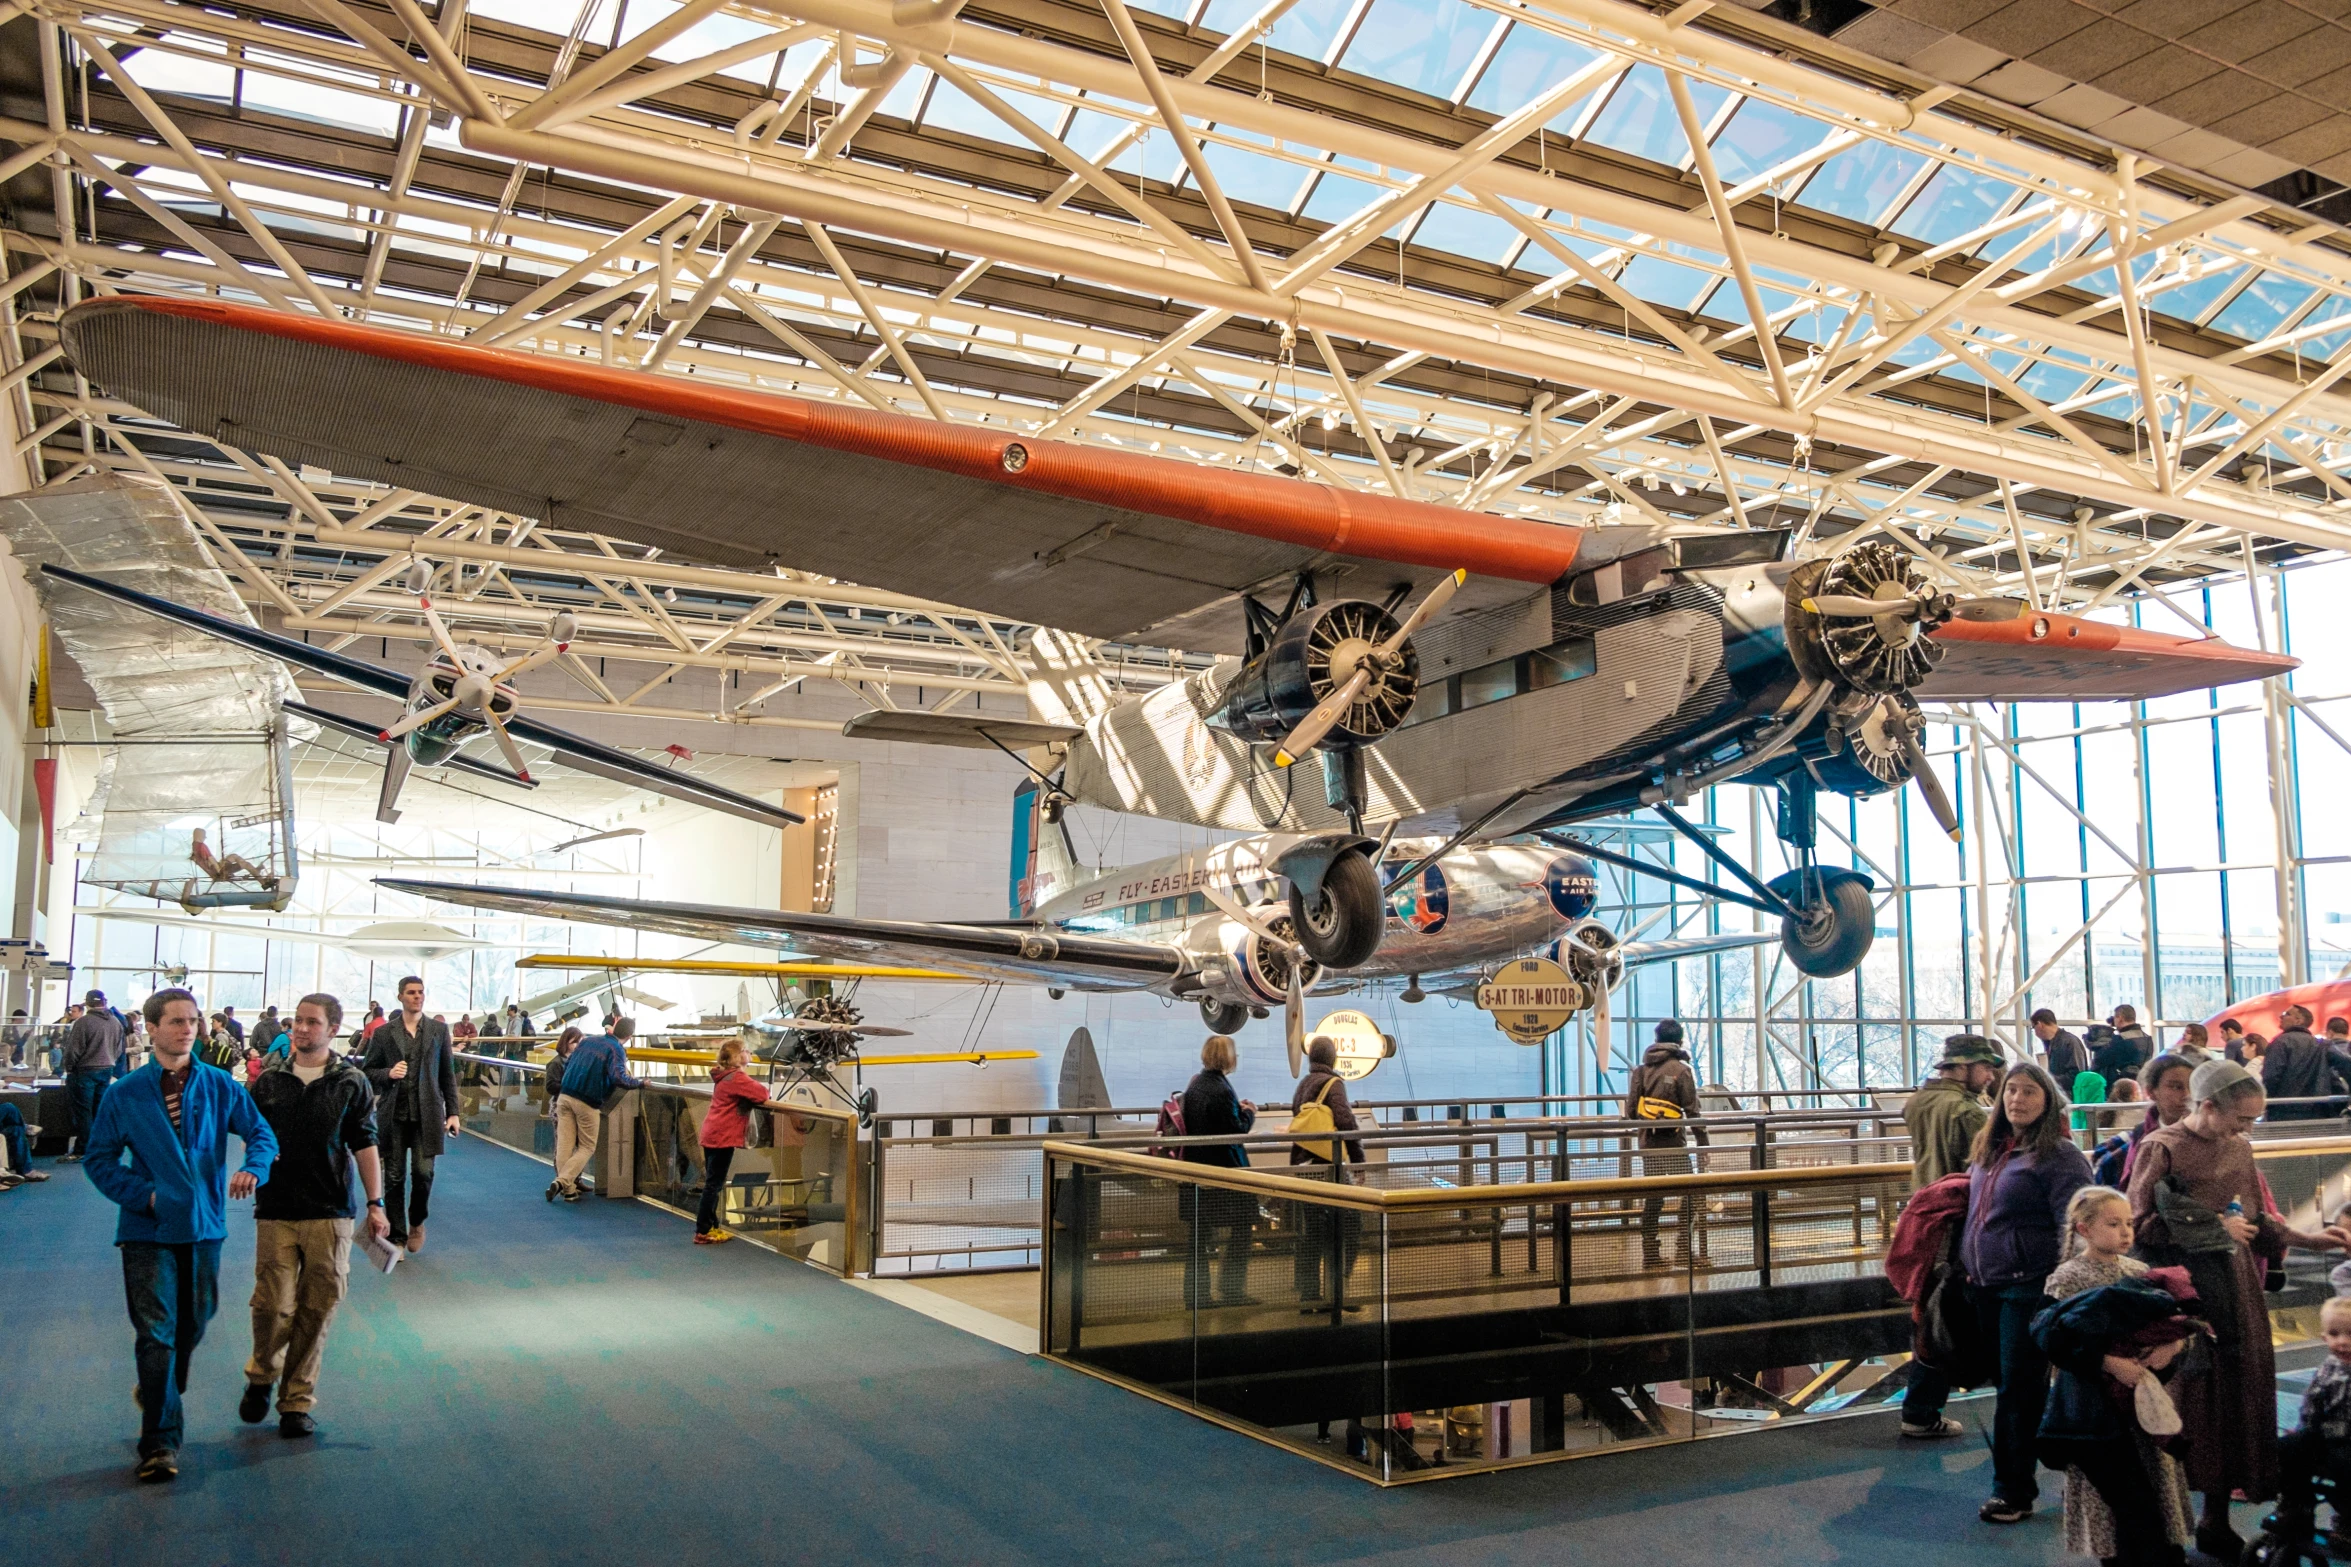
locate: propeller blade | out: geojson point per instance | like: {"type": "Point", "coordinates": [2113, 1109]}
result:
{"type": "Point", "coordinates": [423, 715]}
{"type": "Point", "coordinates": [1930, 786]}
{"type": "Point", "coordinates": [432, 618]}
{"type": "Point", "coordinates": [1439, 597]}
{"type": "Point", "coordinates": [529, 661]}
{"type": "Point", "coordinates": [1294, 1017]}
{"type": "Point", "coordinates": [1230, 907]}
{"type": "Point", "coordinates": [1851, 607]}
{"type": "Point", "coordinates": [507, 745]}
{"type": "Point", "coordinates": [1318, 723]}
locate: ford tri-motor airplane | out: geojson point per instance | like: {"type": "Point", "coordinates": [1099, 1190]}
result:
{"type": "Point", "coordinates": [1547, 674]}
{"type": "Point", "coordinates": [1210, 926]}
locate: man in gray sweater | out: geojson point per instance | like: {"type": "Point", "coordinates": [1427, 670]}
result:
{"type": "Point", "coordinates": [93, 1049]}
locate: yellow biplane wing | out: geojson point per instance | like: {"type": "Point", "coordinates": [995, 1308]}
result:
{"type": "Point", "coordinates": [558, 960]}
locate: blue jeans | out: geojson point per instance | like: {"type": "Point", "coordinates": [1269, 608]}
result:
{"type": "Point", "coordinates": [84, 1089]}
{"type": "Point", "coordinates": [2007, 1311]}
{"type": "Point", "coordinates": [172, 1291]}
{"type": "Point", "coordinates": [1930, 1390]}
{"type": "Point", "coordinates": [20, 1147]}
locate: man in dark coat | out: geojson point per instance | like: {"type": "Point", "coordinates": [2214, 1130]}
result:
{"type": "Point", "coordinates": [2062, 1049]}
{"type": "Point", "coordinates": [92, 1059]}
{"type": "Point", "coordinates": [1663, 1092]}
{"type": "Point", "coordinates": [2298, 1066]}
{"type": "Point", "coordinates": [410, 1065]}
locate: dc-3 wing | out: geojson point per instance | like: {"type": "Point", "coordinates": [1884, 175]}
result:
{"type": "Point", "coordinates": [571, 750]}
{"type": "Point", "coordinates": [1111, 544]}
{"type": "Point", "coordinates": [1636, 954]}
{"type": "Point", "coordinates": [1015, 956]}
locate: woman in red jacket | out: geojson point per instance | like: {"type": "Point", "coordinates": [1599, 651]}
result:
{"type": "Point", "coordinates": [727, 1126]}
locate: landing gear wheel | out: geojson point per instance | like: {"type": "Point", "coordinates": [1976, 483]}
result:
{"type": "Point", "coordinates": [1834, 925]}
{"type": "Point", "coordinates": [1343, 926]}
{"type": "Point", "coordinates": [867, 1101]}
{"type": "Point", "coordinates": [1223, 1017]}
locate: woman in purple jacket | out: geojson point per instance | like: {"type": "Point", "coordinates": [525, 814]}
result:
{"type": "Point", "coordinates": [2022, 1173]}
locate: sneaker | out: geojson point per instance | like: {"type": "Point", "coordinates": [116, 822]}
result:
{"type": "Point", "coordinates": [34, 1175]}
{"type": "Point", "coordinates": [554, 1190]}
{"type": "Point", "coordinates": [10, 1181]}
{"type": "Point", "coordinates": [75, 1158]}
{"type": "Point", "coordinates": [253, 1408]}
{"type": "Point", "coordinates": [2001, 1510]}
{"type": "Point", "coordinates": [574, 1195]}
{"type": "Point", "coordinates": [714, 1237]}
{"type": "Point", "coordinates": [1942, 1426]}
{"type": "Point", "coordinates": [295, 1424]}
{"type": "Point", "coordinates": [157, 1467]}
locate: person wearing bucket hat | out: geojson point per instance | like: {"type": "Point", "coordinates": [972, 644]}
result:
{"type": "Point", "coordinates": [1944, 1117]}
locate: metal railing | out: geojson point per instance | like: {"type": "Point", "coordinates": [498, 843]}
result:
{"type": "Point", "coordinates": [1538, 1314]}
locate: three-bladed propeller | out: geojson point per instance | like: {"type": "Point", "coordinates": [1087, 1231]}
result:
{"type": "Point", "coordinates": [1372, 660]}
{"type": "Point", "coordinates": [1294, 1005]}
{"type": "Point", "coordinates": [473, 691]}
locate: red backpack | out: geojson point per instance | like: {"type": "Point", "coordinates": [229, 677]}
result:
{"type": "Point", "coordinates": [1171, 1124]}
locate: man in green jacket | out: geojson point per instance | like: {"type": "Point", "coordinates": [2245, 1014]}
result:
{"type": "Point", "coordinates": [1944, 1117]}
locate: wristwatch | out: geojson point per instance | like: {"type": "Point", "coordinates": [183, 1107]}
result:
{"type": "Point", "coordinates": [375, 1202]}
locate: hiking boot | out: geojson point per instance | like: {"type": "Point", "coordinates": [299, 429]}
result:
{"type": "Point", "coordinates": [295, 1424]}
{"type": "Point", "coordinates": [253, 1408]}
{"type": "Point", "coordinates": [157, 1467]}
{"type": "Point", "coordinates": [1936, 1430]}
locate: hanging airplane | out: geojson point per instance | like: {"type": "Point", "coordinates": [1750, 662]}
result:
{"type": "Point", "coordinates": [463, 692]}
{"type": "Point", "coordinates": [416, 941]}
{"type": "Point", "coordinates": [1210, 926]}
{"type": "Point", "coordinates": [1551, 674]}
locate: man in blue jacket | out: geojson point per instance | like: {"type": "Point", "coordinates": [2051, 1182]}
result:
{"type": "Point", "coordinates": [595, 1076]}
{"type": "Point", "coordinates": [159, 1151]}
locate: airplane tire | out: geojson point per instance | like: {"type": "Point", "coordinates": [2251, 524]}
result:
{"type": "Point", "coordinates": [1343, 927]}
{"type": "Point", "coordinates": [1223, 1017]}
{"type": "Point", "coordinates": [1836, 929]}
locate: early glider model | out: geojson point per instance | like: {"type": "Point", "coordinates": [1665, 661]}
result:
{"type": "Point", "coordinates": [1547, 674]}
{"type": "Point", "coordinates": [464, 691]}
{"type": "Point", "coordinates": [1210, 926]}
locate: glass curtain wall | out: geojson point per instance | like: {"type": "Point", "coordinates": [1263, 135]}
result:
{"type": "Point", "coordinates": [2176, 855]}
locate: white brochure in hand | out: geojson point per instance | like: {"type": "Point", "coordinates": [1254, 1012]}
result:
{"type": "Point", "coordinates": [381, 1252]}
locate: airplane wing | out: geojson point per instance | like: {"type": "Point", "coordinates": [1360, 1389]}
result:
{"type": "Point", "coordinates": [360, 729]}
{"type": "Point", "coordinates": [980, 732]}
{"type": "Point", "coordinates": [1107, 543]}
{"type": "Point", "coordinates": [574, 751]}
{"type": "Point", "coordinates": [721, 966]}
{"type": "Point", "coordinates": [1022, 957]}
{"type": "Point", "coordinates": [2004, 650]}
{"type": "Point", "coordinates": [1640, 953]}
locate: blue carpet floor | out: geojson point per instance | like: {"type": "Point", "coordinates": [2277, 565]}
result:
{"type": "Point", "coordinates": [581, 1385]}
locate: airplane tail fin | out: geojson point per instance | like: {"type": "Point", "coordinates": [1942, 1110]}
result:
{"type": "Point", "coordinates": [1068, 685]}
{"type": "Point", "coordinates": [1043, 863]}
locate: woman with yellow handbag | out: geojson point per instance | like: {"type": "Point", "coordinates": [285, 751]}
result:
{"type": "Point", "coordinates": [1325, 1234]}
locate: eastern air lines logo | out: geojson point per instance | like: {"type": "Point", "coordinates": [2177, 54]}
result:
{"type": "Point", "coordinates": [1423, 902]}
{"type": "Point", "coordinates": [1572, 886]}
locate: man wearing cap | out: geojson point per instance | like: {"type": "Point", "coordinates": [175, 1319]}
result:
{"type": "Point", "coordinates": [1944, 1117]}
{"type": "Point", "coordinates": [93, 1050]}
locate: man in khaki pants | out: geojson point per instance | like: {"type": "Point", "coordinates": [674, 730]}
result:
{"type": "Point", "coordinates": [323, 1111]}
{"type": "Point", "coordinates": [596, 1075]}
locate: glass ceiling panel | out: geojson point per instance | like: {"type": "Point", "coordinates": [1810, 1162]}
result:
{"type": "Point", "coordinates": [1093, 133]}
{"type": "Point", "coordinates": [1466, 231]}
{"type": "Point", "coordinates": [1426, 45]}
{"type": "Point", "coordinates": [1337, 198]}
{"type": "Point", "coordinates": [1640, 118]}
{"type": "Point", "coordinates": [1954, 202]}
{"type": "Point", "coordinates": [1307, 28]}
{"type": "Point", "coordinates": [1761, 136]}
{"type": "Point", "coordinates": [1529, 63]}
{"type": "Point", "coordinates": [951, 109]}
{"type": "Point", "coordinates": [2189, 297]}
{"type": "Point", "coordinates": [1253, 177]}
{"type": "Point", "coordinates": [1664, 282]}
{"type": "Point", "coordinates": [1861, 183]}
{"type": "Point", "coordinates": [2336, 309]}
{"type": "Point", "coordinates": [2263, 306]}
{"type": "Point", "coordinates": [158, 71]}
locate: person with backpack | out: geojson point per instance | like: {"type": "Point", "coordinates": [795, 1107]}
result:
{"type": "Point", "coordinates": [1325, 1233]}
{"type": "Point", "coordinates": [1210, 1108]}
{"type": "Point", "coordinates": [1943, 1117]}
{"type": "Point", "coordinates": [1663, 1092]}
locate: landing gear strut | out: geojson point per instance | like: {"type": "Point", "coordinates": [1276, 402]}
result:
{"type": "Point", "coordinates": [1831, 921]}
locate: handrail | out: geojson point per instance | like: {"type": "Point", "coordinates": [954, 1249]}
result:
{"type": "Point", "coordinates": [1379, 1199]}
{"type": "Point", "coordinates": [688, 1090]}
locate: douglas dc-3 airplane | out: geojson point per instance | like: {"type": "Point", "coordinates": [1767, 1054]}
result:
{"type": "Point", "coordinates": [1209, 926]}
{"type": "Point", "coordinates": [1548, 674]}
{"type": "Point", "coordinates": [463, 692]}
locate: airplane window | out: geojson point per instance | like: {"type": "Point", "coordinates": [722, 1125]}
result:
{"type": "Point", "coordinates": [1491, 683]}
{"type": "Point", "coordinates": [1196, 905]}
{"type": "Point", "coordinates": [1565, 661]}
